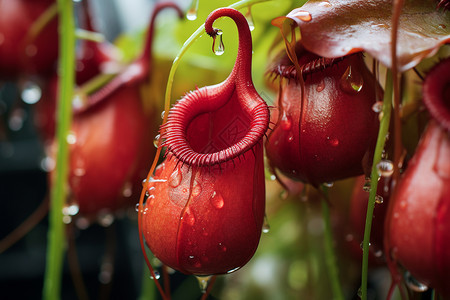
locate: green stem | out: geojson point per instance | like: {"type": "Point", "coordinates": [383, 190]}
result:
{"type": "Point", "coordinates": [147, 290]}
{"type": "Point", "coordinates": [384, 127]}
{"type": "Point", "coordinates": [58, 192]}
{"type": "Point", "coordinates": [330, 258]}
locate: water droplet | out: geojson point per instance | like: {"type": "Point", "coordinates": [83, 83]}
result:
{"type": "Point", "coordinates": [377, 107]}
{"type": "Point", "coordinates": [222, 247]}
{"type": "Point", "coordinates": [381, 26]}
{"type": "Point", "coordinates": [328, 184]}
{"type": "Point", "coordinates": [196, 188]}
{"type": "Point", "coordinates": [218, 47]}
{"type": "Point", "coordinates": [367, 184]}
{"type": "Point", "coordinates": [362, 245]}
{"type": "Point", "coordinates": [266, 225]}
{"type": "Point", "coordinates": [17, 119]}
{"type": "Point", "coordinates": [359, 293]}
{"type": "Point", "coordinates": [385, 168]}
{"type": "Point", "coordinates": [71, 209]}
{"type": "Point", "coordinates": [48, 164]}
{"type": "Point", "coordinates": [333, 141]}
{"type": "Point", "coordinates": [175, 178]}
{"type": "Point", "coordinates": [163, 114]}
{"type": "Point", "coordinates": [191, 14]}
{"type": "Point", "coordinates": [325, 4]}
{"type": "Point", "coordinates": [137, 207]}
{"type": "Point", "coordinates": [156, 140]}
{"type": "Point", "coordinates": [379, 199]}
{"type": "Point", "coordinates": [321, 86]}
{"type": "Point", "coordinates": [71, 138]}
{"type": "Point", "coordinates": [286, 122]}
{"type": "Point", "coordinates": [67, 219]}
{"type": "Point", "coordinates": [157, 275]}
{"type": "Point", "coordinates": [127, 189]}
{"type": "Point", "coordinates": [217, 200]}
{"type": "Point", "coordinates": [249, 18]}
{"type": "Point", "coordinates": [442, 26]}
{"type": "Point", "coordinates": [233, 270]}
{"type": "Point", "coordinates": [351, 82]}
{"type": "Point", "coordinates": [303, 16]}
{"type": "Point", "coordinates": [189, 217]}
{"type": "Point", "coordinates": [413, 284]}
{"type": "Point", "coordinates": [31, 93]}
{"type": "Point", "coordinates": [105, 219]}
{"type": "Point", "coordinates": [203, 282]}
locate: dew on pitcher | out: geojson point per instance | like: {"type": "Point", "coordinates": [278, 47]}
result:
{"type": "Point", "coordinates": [302, 16]}
{"type": "Point", "coordinates": [222, 247]}
{"type": "Point", "coordinates": [156, 140]}
{"type": "Point", "coordinates": [105, 219]}
{"type": "Point", "coordinates": [163, 114]}
{"type": "Point", "coordinates": [218, 47]}
{"type": "Point", "coordinates": [249, 18]}
{"type": "Point", "coordinates": [157, 275]}
{"type": "Point", "coordinates": [379, 199]}
{"type": "Point", "coordinates": [71, 138]}
{"type": "Point", "coordinates": [351, 82]}
{"type": "Point", "coordinates": [17, 119]}
{"type": "Point", "coordinates": [151, 179]}
{"type": "Point", "coordinates": [175, 178]}
{"type": "Point", "coordinates": [385, 168]}
{"type": "Point", "coordinates": [377, 107]}
{"type": "Point", "coordinates": [196, 188]}
{"type": "Point", "coordinates": [217, 200]}
{"type": "Point", "coordinates": [137, 207]}
{"type": "Point", "coordinates": [286, 122]}
{"type": "Point", "coordinates": [189, 217]}
{"type": "Point", "coordinates": [333, 141]}
{"type": "Point", "coordinates": [321, 86]}
{"type": "Point", "coordinates": [191, 14]}
{"type": "Point", "coordinates": [413, 284]}
{"type": "Point", "coordinates": [203, 282]}
{"type": "Point", "coordinates": [31, 93]}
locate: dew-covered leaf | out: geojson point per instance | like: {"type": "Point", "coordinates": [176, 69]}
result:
{"type": "Point", "coordinates": [334, 28]}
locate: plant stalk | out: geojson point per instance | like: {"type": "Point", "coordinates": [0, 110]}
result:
{"type": "Point", "coordinates": [56, 243]}
{"type": "Point", "coordinates": [384, 127]}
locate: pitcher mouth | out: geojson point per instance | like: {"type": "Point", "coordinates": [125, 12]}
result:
{"type": "Point", "coordinates": [174, 133]}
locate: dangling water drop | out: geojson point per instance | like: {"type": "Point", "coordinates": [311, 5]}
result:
{"type": "Point", "coordinates": [191, 14]}
{"type": "Point", "coordinates": [266, 225]}
{"type": "Point", "coordinates": [31, 93]}
{"type": "Point", "coordinates": [203, 282]}
{"type": "Point", "coordinates": [286, 122]}
{"type": "Point", "coordinates": [163, 114]}
{"type": "Point", "coordinates": [249, 18]}
{"type": "Point", "coordinates": [351, 82]}
{"type": "Point", "coordinates": [413, 284]}
{"type": "Point", "coordinates": [156, 140]}
{"type": "Point", "coordinates": [385, 168]}
{"type": "Point", "coordinates": [321, 86]}
{"type": "Point", "coordinates": [218, 47]}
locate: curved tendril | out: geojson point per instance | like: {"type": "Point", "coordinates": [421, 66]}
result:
{"type": "Point", "coordinates": [244, 56]}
